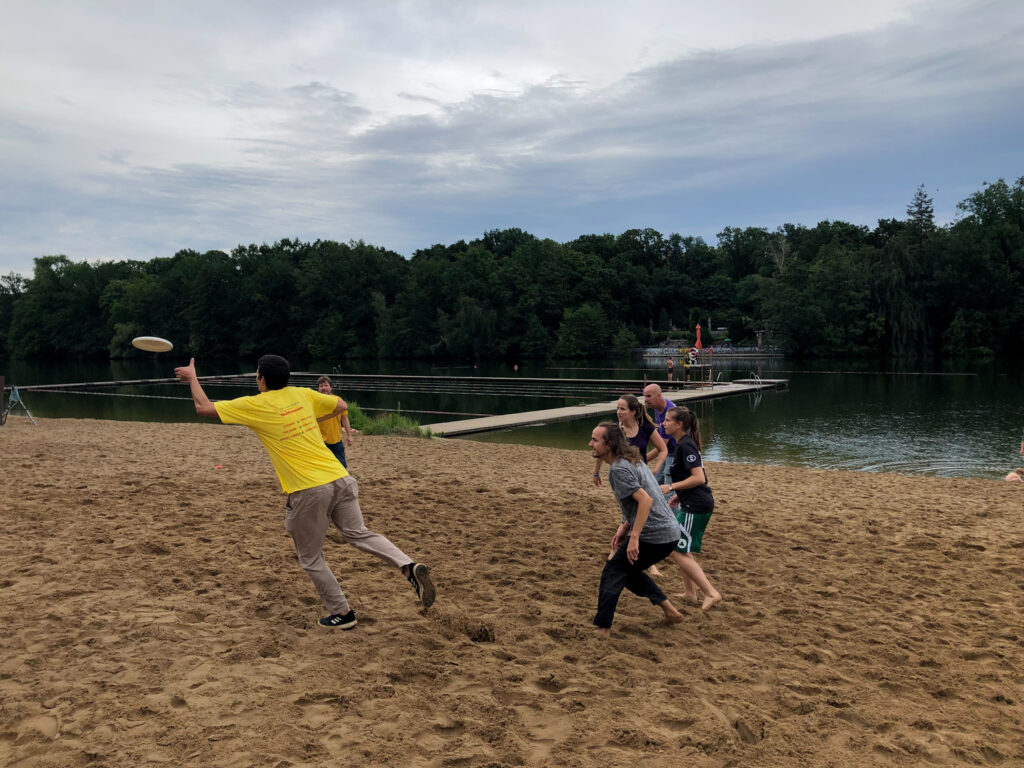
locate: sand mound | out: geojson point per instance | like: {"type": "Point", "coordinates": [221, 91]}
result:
{"type": "Point", "coordinates": [154, 614]}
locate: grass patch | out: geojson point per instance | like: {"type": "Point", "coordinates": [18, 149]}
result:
{"type": "Point", "coordinates": [356, 417]}
{"type": "Point", "coordinates": [390, 423]}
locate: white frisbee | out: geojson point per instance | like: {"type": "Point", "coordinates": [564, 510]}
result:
{"type": "Point", "coordinates": [152, 344]}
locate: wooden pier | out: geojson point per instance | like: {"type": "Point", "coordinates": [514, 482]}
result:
{"type": "Point", "coordinates": [596, 410]}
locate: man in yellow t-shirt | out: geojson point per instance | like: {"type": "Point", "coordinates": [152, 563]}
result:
{"type": "Point", "coordinates": [330, 426]}
{"type": "Point", "coordinates": [320, 490]}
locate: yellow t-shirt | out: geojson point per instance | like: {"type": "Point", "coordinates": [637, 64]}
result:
{"type": "Point", "coordinates": [285, 422]}
{"type": "Point", "coordinates": [331, 429]}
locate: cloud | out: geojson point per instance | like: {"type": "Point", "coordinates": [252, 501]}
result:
{"type": "Point", "coordinates": [407, 124]}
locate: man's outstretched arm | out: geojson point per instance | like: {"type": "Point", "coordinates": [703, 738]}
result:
{"type": "Point", "coordinates": [203, 405]}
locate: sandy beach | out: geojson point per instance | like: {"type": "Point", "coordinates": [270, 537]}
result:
{"type": "Point", "coordinates": [154, 614]}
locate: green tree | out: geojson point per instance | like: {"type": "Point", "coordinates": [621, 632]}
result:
{"type": "Point", "coordinates": [335, 315]}
{"type": "Point", "coordinates": [140, 305]}
{"type": "Point", "coordinates": [718, 292]}
{"type": "Point", "coordinates": [898, 276]}
{"type": "Point", "coordinates": [213, 302]}
{"type": "Point", "coordinates": [537, 340]}
{"type": "Point", "coordinates": [470, 330]}
{"type": "Point", "coordinates": [978, 285]}
{"type": "Point", "coordinates": [583, 332]}
{"type": "Point", "coordinates": [968, 333]}
{"type": "Point", "coordinates": [840, 284]}
{"type": "Point", "coordinates": [12, 285]}
{"type": "Point", "coordinates": [794, 320]}
{"type": "Point", "coordinates": [624, 341]}
{"type": "Point", "coordinates": [503, 243]}
{"type": "Point", "coordinates": [269, 320]}
{"type": "Point", "coordinates": [59, 314]}
{"type": "Point", "coordinates": [745, 251]}
{"type": "Point", "coordinates": [906, 287]}
{"type": "Point", "coordinates": [921, 215]}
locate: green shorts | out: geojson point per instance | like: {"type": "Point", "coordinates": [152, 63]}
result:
{"type": "Point", "coordinates": [693, 525]}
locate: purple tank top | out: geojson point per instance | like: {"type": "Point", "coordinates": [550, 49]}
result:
{"type": "Point", "coordinates": [642, 438]}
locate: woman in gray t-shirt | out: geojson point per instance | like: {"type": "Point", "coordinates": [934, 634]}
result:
{"type": "Point", "coordinates": [648, 533]}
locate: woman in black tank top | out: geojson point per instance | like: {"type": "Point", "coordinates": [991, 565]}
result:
{"type": "Point", "coordinates": [693, 502]}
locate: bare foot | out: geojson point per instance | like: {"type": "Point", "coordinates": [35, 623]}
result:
{"type": "Point", "coordinates": [710, 600]}
{"type": "Point", "coordinates": [653, 571]}
{"type": "Point", "coordinates": [672, 614]}
{"type": "Point", "coordinates": [692, 597]}
{"type": "Point", "coordinates": [684, 597]}
{"type": "Point", "coordinates": [602, 632]}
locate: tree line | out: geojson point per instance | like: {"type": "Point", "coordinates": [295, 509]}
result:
{"type": "Point", "coordinates": [908, 287]}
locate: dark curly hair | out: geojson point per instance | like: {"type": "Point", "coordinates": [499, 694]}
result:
{"type": "Point", "coordinates": [621, 449]}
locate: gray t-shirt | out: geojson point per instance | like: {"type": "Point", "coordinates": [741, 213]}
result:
{"type": "Point", "coordinates": [625, 478]}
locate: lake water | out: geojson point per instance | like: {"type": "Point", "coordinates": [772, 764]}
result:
{"type": "Point", "coordinates": [961, 421]}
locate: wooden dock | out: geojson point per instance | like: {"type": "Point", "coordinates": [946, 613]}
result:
{"type": "Point", "coordinates": [597, 410]}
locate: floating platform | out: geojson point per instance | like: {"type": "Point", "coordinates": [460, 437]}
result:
{"type": "Point", "coordinates": [595, 410]}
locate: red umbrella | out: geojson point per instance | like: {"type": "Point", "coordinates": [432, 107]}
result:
{"type": "Point", "coordinates": [697, 345]}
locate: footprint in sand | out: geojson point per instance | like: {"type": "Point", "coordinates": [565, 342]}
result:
{"type": "Point", "coordinates": [549, 684]}
{"type": "Point", "coordinates": [543, 732]}
{"type": "Point", "coordinates": [319, 711]}
{"type": "Point", "coordinates": [678, 726]}
{"type": "Point", "coordinates": [318, 715]}
{"type": "Point", "coordinates": [47, 725]}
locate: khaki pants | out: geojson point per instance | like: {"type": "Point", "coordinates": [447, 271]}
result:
{"type": "Point", "coordinates": [310, 512]}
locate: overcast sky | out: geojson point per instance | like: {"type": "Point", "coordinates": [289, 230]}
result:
{"type": "Point", "coordinates": [136, 129]}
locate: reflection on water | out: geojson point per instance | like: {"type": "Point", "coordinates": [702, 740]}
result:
{"type": "Point", "coordinates": [938, 425]}
{"type": "Point", "coordinates": [948, 423]}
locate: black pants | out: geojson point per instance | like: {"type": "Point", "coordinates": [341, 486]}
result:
{"type": "Point", "coordinates": [620, 574]}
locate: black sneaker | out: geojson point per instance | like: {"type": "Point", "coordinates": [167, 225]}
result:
{"type": "Point", "coordinates": [339, 621]}
{"type": "Point", "coordinates": [419, 577]}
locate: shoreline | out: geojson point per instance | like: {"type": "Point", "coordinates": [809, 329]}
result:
{"type": "Point", "coordinates": [986, 474]}
{"type": "Point", "coordinates": [155, 613]}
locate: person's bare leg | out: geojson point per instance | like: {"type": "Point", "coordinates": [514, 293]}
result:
{"type": "Point", "coordinates": [672, 614]}
{"type": "Point", "coordinates": [692, 569]}
{"type": "Point", "coordinates": [689, 589]}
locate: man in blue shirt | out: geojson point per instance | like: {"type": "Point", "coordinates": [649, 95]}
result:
{"type": "Point", "coordinates": [656, 401]}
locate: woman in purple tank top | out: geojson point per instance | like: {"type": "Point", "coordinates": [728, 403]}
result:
{"type": "Point", "coordinates": [639, 430]}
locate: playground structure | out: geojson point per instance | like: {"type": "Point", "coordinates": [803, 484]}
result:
{"type": "Point", "coordinates": [698, 367]}
{"type": "Point", "coordinates": [695, 366]}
